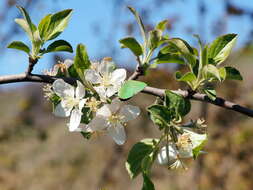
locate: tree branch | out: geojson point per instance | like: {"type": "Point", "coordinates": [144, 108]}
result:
{"type": "Point", "coordinates": [148, 90]}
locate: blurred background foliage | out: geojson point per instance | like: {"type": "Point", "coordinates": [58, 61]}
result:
{"type": "Point", "coordinates": [37, 151]}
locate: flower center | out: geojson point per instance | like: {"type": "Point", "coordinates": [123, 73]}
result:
{"type": "Point", "coordinates": [106, 80]}
{"type": "Point", "coordinates": [115, 118]}
{"type": "Point", "coordinates": [72, 102]}
{"type": "Point", "coordinates": [93, 104]}
{"type": "Point", "coordinates": [184, 141]}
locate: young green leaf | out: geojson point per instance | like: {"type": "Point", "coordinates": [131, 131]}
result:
{"type": "Point", "coordinates": [132, 44]}
{"type": "Point", "coordinates": [81, 61]}
{"type": "Point", "coordinates": [176, 102]}
{"type": "Point", "coordinates": [130, 88]}
{"type": "Point", "coordinates": [52, 26]}
{"type": "Point", "coordinates": [26, 23]}
{"type": "Point", "coordinates": [210, 71]}
{"type": "Point", "coordinates": [140, 23]}
{"type": "Point", "coordinates": [221, 47]}
{"type": "Point", "coordinates": [59, 45]}
{"type": "Point", "coordinates": [136, 155]}
{"type": "Point", "coordinates": [43, 26]}
{"type": "Point", "coordinates": [161, 25]}
{"type": "Point", "coordinates": [187, 77]}
{"type": "Point", "coordinates": [169, 58]}
{"type": "Point", "coordinates": [154, 38]}
{"type": "Point", "coordinates": [233, 74]}
{"type": "Point", "coordinates": [20, 46]}
{"type": "Point", "coordinates": [147, 183]}
{"type": "Point", "coordinates": [160, 114]}
{"type": "Point", "coordinates": [182, 45]}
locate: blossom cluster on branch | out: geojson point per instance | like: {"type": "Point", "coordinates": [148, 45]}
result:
{"type": "Point", "coordinates": [93, 98]}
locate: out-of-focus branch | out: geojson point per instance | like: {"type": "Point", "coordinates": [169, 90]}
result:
{"type": "Point", "coordinates": [148, 90]}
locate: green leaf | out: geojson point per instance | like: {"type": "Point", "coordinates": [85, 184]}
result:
{"type": "Point", "coordinates": [81, 61]}
{"type": "Point", "coordinates": [43, 26]}
{"type": "Point", "coordinates": [161, 25]}
{"type": "Point", "coordinates": [132, 44]}
{"type": "Point", "coordinates": [222, 72]}
{"type": "Point", "coordinates": [140, 23]}
{"type": "Point", "coordinates": [136, 155]}
{"type": "Point", "coordinates": [53, 25]}
{"type": "Point", "coordinates": [20, 46]}
{"type": "Point", "coordinates": [72, 72]}
{"type": "Point", "coordinates": [169, 58]}
{"type": "Point", "coordinates": [221, 47]}
{"type": "Point", "coordinates": [147, 183]}
{"type": "Point", "coordinates": [182, 45]}
{"type": "Point", "coordinates": [204, 56]}
{"type": "Point", "coordinates": [177, 102]}
{"type": "Point", "coordinates": [130, 88]}
{"type": "Point", "coordinates": [210, 71]}
{"type": "Point", "coordinates": [59, 45]}
{"type": "Point", "coordinates": [211, 93]}
{"type": "Point", "coordinates": [160, 115]}
{"type": "Point", "coordinates": [26, 23]}
{"type": "Point", "coordinates": [154, 38]}
{"type": "Point", "coordinates": [187, 77]}
{"type": "Point", "coordinates": [233, 74]}
{"type": "Point", "coordinates": [179, 50]}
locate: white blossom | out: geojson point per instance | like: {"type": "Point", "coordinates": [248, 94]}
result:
{"type": "Point", "coordinates": [105, 79]}
{"type": "Point", "coordinates": [112, 118]}
{"type": "Point", "coordinates": [174, 153]}
{"type": "Point", "coordinates": [72, 102]}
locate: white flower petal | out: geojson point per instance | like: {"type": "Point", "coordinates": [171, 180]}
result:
{"type": "Point", "coordinates": [129, 112]}
{"type": "Point", "coordinates": [62, 111]}
{"type": "Point", "coordinates": [196, 139]}
{"type": "Point", "coordinates": [80, 90]}
{"type": "Point", "coordinates": [115, 105]}
{"type": "Point", "coordinates": [118, 76]}
{"type": "Point", "coordinates": [162, 157]}
{"type": "Point", "coordinates": [104, 111]}
{"type": "Point", "coordinates": [117, 133]}
{"type": "Point", "coordinates": [81, 104]}
{"type": "Point", "coordinates": [63, 89]}
{"type": "Point", "coordinates": [92, 76]}
{"type": "Point", "coordinates": [98, 123]}
{"type": "Point", "coordinates": [75, 119]}
{"type": "Point", "coordinates": [111, 90]}
{"type": "Point", "coordinates": [101, 92]}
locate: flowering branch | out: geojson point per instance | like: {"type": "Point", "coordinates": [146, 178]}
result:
{"type": "Point", "coordinates": [147, 90]}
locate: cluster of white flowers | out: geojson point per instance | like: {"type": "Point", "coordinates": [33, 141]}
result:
{"type": "Point", "coordinates": [174, 153]}
{"type": "Point", "coordinates": [107, 113]}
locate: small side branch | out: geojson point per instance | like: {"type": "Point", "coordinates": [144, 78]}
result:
{"type": "Point", "coordinates": [32, 63]}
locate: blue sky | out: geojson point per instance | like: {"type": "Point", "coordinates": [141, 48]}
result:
{"type": "Point", "coordinates": [82, 27]}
